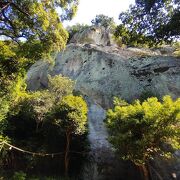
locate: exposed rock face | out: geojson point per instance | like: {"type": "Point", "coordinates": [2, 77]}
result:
{"type": "Point", "coordinates": [37, 75]}
{"type": "Point", "coordinates": [101, 72]}
{"type": "Point", "coordinates": [93, 35]}
{"type": "Point", "coordinates": [104, 72]}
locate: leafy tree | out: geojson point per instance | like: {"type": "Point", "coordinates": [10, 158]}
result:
{"type": "Point", "coordinates": [4, 107]}
{"type": "Point", "coordinates": [149, 4]}
{"type": "Point", "coordinates": [170, 28]}
{"type": "Point", "coordinates": [9, 65]}
{"type": "Point", "coordinates": [10, 96]}
{"type": "Point", "coordinates": [42, 101]}
{"type": "Point", "coordinates": [105, 21]}
{"type": "Point", "coordinates": [60, 86]}
{"type": "Point", "coordinates": [32, 122]}
{"type": "Point", "coordinates": [71, 116]}
{"type": "Point", "coordinates": [123, 36]}
{"type": "Point", "coordinates": [150, 23]}
{"type": "Point", "coordinates": [139, 130]}
{"type": "Point", "coordinates": [37, 22]}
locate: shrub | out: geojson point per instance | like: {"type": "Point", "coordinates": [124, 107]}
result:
{"type": "Point", "coordinates": [19, 176]}
{"type": "Point", "coordinates": [139, 130]}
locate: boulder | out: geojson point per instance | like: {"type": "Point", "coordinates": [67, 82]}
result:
{"type": "Point", "coordinates": [93, 35]}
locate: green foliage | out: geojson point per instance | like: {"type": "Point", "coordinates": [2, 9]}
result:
{"type": "Point", "coordinates": [3, 149]}
{"type": "Point", "coordinates": [37, 22]}
{"type": "Point", "coordinates": [19, 176]}
{"type": "Point", "coordinates": [31, 123]}
{"type": "Point", "coordinates": [170, 28]}
{"type": "Point", "coordinates": [38, 104]}
{"type": "Point", "coordinates": [60, 86]}
{"type": "Point", "coordinates": [149, 23]}
{"type": "Point", "coordinates": [105, 21]}
{"type": "Point", "coordinates": [12, 71]}
{"type": "Point", "coordinates": [4, 108]}
{"type": "Point", "coordinates": [124, 36]}
{"type": "Point", "coordinates": [10, 96]}
{"type": "Point", "coordinates": [139, 130]}
{"type": "Point", "coordinates": [119, 102]}
{"type": "Point", "coordinates": [9, 65]}
{"type": "Point", "coordinates": [5, 50]}
{"type": "Point", "coordinates": [71, 114]}
{"type": "Point", "coordinates": [148, 94]}
{"type": "Point", "coordinates": [149, 4]}
{"type": "Point", "coordinates": [177, 49]}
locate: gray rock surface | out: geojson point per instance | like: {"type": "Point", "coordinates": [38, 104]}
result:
{"type": "Point", "coordinates": [104, 72]}
{"type": "Point", "coordinates": [94, 35]}
{"type": "Point", "coordinates": [37, 75]}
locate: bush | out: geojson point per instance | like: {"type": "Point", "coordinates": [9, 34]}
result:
{"type": "Point", "coordinates": [139, 130]}
{"type": "Point", "coordinates": [19, 176]}
{"type": "Point", "coordinates": [177, 49]}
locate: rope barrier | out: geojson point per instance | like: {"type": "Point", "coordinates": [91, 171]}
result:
{"type": "Point", "coordinates": [35, 153]}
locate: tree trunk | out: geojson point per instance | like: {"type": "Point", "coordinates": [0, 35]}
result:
{"type": "Point", "coordinates": [144, 172]}
{"type": "Point", "coordinates": [66, 158]}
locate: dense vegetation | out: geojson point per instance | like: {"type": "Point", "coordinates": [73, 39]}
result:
{"type": "Point", "coordinates": [44, 122]}
{"type": "Point", "coordinates": [139, 131]}
{"type": "Point", "coordinates": [37, 22]}
{"type": "Point", "coordinates": [48, 127]}
{"type": "Point", "coordinates": [32, 30]}
{"type": "Point", "coordinates": [149, 23]}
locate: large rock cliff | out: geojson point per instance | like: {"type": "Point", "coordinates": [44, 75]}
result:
{"type": "Point", "coordinates": [101, 71]}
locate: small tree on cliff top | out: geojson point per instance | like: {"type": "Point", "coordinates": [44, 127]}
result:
{"type": "Point", "coordinates": [138, 131]}
{"type": "Point", "coordinates": [105, 21]}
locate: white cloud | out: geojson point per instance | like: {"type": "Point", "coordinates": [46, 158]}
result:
{"type": "Point", "coordinates": [88, 9]}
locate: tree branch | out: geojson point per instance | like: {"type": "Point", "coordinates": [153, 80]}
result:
{"type": "Point", "coordinates": [4, 7]}
{"type": "Point", "coordinates": [9, 21]}
{"type": "Point", "coordinates": [19, 9]}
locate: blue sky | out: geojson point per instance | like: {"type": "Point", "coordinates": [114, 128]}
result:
{"type": "Point", "coordinates": [88, 9]}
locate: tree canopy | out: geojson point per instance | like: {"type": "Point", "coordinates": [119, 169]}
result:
{"type": "Point", "coordinates": [170, 28]}
{"type": "Point", "coordinates": [71, 116]}
{"type": "Point", "coordinates": [150, 22]}
{"type": "Point", "coordinates": [138, 131]}
{"type": "Point", "coordinates": [37, 22]}
{"type": "Point", "coordinates": [75, 28]}
{"type": "Point", "coordinates": [102, 20]}
{"type": "Point", "coordinates": [44, 121]}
